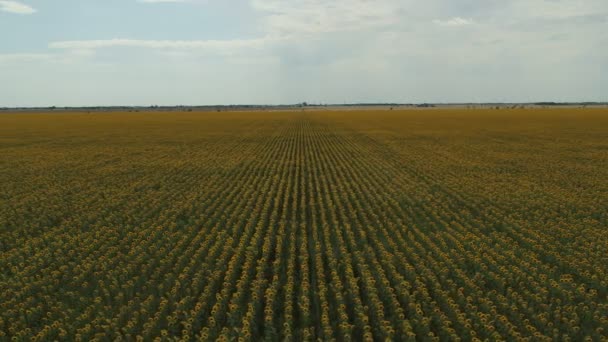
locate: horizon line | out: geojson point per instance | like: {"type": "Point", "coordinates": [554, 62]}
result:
{"type": "Point", "coordinates": [308, 104]}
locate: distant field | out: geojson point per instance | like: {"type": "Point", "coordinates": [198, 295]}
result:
{"type": "Point", "coordinates": [353, 225]}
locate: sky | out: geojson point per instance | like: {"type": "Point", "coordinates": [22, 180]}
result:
{"type": "Point", "coordinates": [208, 52]}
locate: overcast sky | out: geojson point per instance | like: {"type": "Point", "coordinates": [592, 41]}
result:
{"type": "Point", "coordinates": [168, 52]}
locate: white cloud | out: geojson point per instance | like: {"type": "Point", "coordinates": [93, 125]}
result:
{"type": "Point", "coordinates": [285, 18]}
{"type": "Point", "coordinates": [159, 1]}
{"type": "Point", "coordinates": [563, 9]}
{"type": "Point", "coordinates": [214, 46]}
{"type": "Point", "coordinates": [15, 7]}
{"type": "Point", "coordinates": [456, 21]}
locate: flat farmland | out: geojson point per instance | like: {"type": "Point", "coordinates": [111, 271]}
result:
{"type": "Point", "coordinates": [441, 224]}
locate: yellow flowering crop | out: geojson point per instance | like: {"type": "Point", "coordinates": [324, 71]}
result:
{"type": "Point", "coordinates": [444, 224]}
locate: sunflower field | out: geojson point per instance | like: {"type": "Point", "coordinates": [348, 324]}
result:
{"type": "Point", "coordinates": [352, 225]}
